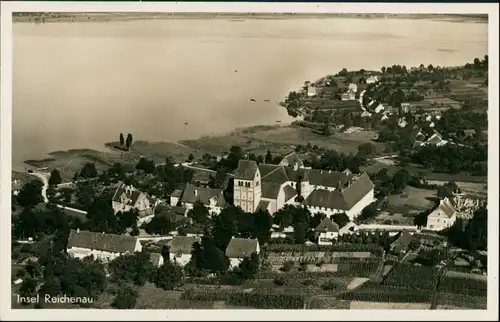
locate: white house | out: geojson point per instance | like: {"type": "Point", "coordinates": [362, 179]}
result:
{"type": "Point", "coordinates": [380, 108]}
{"type": "Point", "coordinates": [213, 199]}
{"type": "Point", "coordinates": [311, 90]}
{"type": "Point", "coordinates": [372, 80]}
{"type": "Point", "coordinates": [402, 122]}
{"type": "Point", "coordinates": [327, 231]}
{"type": "Point", "coordinates": [353, 87]}
{"type": "Point", "coordinates": [180, 248]}
{"type": "Point", "coordinates": [348, 96]}
{"type": "Point", "coordinates": [435, 139]}
{"type": "Point", "coordinates": [127, 198]}
{"type": "Point", "coordinates": [241, 248]}
{"type": "Point", "coordinates": [104, 247]}
{"type": "Point", "coordinates": [175, 197]}
{"type": "Point", "coordinates": [443, 216]}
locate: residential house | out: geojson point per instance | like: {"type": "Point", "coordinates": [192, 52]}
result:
{"type": "Point", "coordinates": [436, 139]}
{"type": "Point", "coordinates": [408, 108]}
{"type": "Point", "coordinates": [16, 186]}
{"type": "Point", "coordinates": [156, 259]}
{"type": "Point", "coordinates": [213, 199]}
{"type": "Point", "coordinates": [311, 90]}
{"type": "Point", "coordinates": [402, 242]}
{"type": "Point", "coordinates": [402, 122]}
{"type": "Point", "coordinates": [127, 198]}
{"type": "Point", "coordinates": [104, 247]}
{"type": "Point", "coordinates": [348, 96]}
{"type": "Point", "coordinates": [372, 79]}
{"type": "Point", "coordinates": [241, 248]}
{"type": "Point", "coordinates": [180, 248]}
{"type": "Point", "coordinates": [353, 87]}
{"type": "Point", "coordinates": [327, 231]}
{"type": "Point", "coordinates": [380, 108]}
{"type": "Point", "coordinates": [443, 216]}
{"type": "Point", "coordinates": [392, 110]}
{"type": "Point", "coordinates": [175, 197]}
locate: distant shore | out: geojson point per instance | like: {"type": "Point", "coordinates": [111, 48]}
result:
{"type": "Point", "coordinates": [49, 17]}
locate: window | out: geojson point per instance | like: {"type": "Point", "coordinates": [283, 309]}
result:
{"type": "Point", "coordinates": [257, 183]}
{"type": "Point", "coordinates": [240, 183]}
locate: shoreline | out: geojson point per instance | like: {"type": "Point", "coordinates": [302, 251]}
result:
{"type": "Point", "coordinates": [235, 17]}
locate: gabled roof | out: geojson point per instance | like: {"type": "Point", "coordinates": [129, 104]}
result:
{"type": "Point", "coordinates": [327, 178]}
{"type": "Point", "coordinates": [263, 205]}
{"type": "Point", "coordinates": [403, 241]}
{"type": "Point", "coordinates": [99, 241]}
{"type": "Point", "coordinates": [341, 199]}
{"type": "Point", "coordinates": [291, 159]}
{"type": "Point", "coordinates": [278, 176]}
{"type": "Point", "coordinates": [178, 210]}
{"type": "Point", "coordinates": [445, 208]}
{"type": "Point", "coordinates": [270, 190]}
{"type": "Point", "coordinates": [155, 258]}
{"type": "Point", "coordinates": [265, 169]}
{"type": "Point", "coordinates": [290, 192]}
{"type": "Point", "coordinates": [434, 139]}
{"type": "Point", "coordinates": [327, 225]}
{"type": "Point", "coordinates": [246, 170]}
{"type": "Point", "coordinates": [182, 244]}
{"type": "Point", "coordinates": [241, 247]}
{"type": "Point", "coordinates": [127, 195]}
{"type": "Point", "coordinates": [193, 193]}
{"type": "Point", "coordinates": [177, 193]}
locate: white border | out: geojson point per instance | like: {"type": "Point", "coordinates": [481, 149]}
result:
{"type": "Point", "coordinates": [387, 315]}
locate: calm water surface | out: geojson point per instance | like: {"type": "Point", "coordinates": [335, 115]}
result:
{"type": "Point", "coordinates": [78, 85]}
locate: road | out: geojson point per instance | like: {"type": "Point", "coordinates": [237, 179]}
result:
{"type": "Point", "coordinates": [45, 179]}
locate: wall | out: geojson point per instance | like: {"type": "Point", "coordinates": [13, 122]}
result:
{"type": "Point", "coordinates": [365, 201]}
{"type": "Point", "coordinates": [80, 253]}
{"type": "Point", "coordinates": [440, 222]}
{"type": "Point", "coordinates": [326, 238]}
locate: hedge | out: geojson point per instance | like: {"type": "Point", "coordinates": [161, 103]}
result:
{"type": "Point", "coordinates": [387, 294]}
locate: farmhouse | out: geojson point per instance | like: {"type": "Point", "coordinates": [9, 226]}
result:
{"type": "Point", "coordinates": [104, 247]}
{"type": "Point", "coordinates": [311, 90]}
{"type": "Point", "coordinates": [241, 248]}
{"type": "Point", "coordinates": [372, 80]}
{"type": "Point", "coordinates": [443, 216]}
{"type": "Point", "coordinates": [271, 187]}
{"type": "Point", "coordinates": [380, 108]}
{"type": "Point", "coordinates": [180, 248]}
{"type": "Point", "coordinates": [127, 198]}
{"type": "Point", "coordinates": [213, 199]}
{"type": "Point", "coordinates": [348, 95]}
{"type": "Point", "coordinates": [436, 139]}
{"type": "Point", "coordinates": [327, 231]}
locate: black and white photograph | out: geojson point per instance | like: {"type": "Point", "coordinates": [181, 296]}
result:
{"type": "Point", "coordinates": [244, 159]}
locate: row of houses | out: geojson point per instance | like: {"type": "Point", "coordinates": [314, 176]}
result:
{"type": "Point", "coordinates": [107, 247]}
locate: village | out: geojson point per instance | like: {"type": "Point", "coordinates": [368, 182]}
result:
{"type": "Point", "coordinates": [302, 228]}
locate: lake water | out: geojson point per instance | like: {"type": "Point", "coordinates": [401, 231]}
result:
{"type": "Point", "coordinates": [78, 85]}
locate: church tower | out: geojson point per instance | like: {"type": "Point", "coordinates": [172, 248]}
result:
{"type": "Point", "coordinates": [247, 186]}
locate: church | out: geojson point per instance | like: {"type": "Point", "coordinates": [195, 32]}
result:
{"type": "Point", "coordinates": [271, 187]}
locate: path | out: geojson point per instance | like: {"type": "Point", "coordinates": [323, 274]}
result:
{"type": "Point", "coordinates": [45, 179]}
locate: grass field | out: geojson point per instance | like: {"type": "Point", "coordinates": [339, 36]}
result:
{"type": "Point", "coordinates": [429, 175]}
{"type": "Point", "coordinates": [412, 200]}
{"type": "Point", "coordinates": [467, 187]}
{"type": "Point", "coordinates": [282, 139]}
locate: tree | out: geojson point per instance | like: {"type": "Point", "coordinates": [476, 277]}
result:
{"type": "Point", "coordinates": [269, 157]}
{"type": "Point", "coordinates": [316, 219]}
{"type": "Point", "coordinates": [160, 224]}
{"type": "Point", "coordinates": [122, 140]}
{"type": "Point", "coordinates": [299, 233]}
{"type": "Point", "coordinates": [28, 288]}
{"type": "Point", "coordinates": [168, 276]}
{"type": "Point", "coordinates": [249, 266]}
{"type": "Point", "coordinates": [165, 253]}
{"type": "Point", "coordinates": [89, 171]}
{"type": "Point", "coordinates": [262, 223]}
{"type": "Point", "coordinates": [190, 157]}
{"type": "Point", "coordinates": [128, 218]}
{"type": "Point", "coordinates": [400, 180]}
{"type": "Point", "coordinates": [199, 213]}
{"type": "Point", "coordinates": [444, 192]}
{"type": "Point", "coordinates": [125, 299]}
{"type": "Point", "coordinates": [135, 268]}
{"type": "Point", "coordinates": [368, 212]}
{"type": "Point", "coordinates": [55, 177]}
{"type": "Point", "coordinates": [367, 149]}
{"type": "Point", "coordinates": [30, 194]}
{"type": "Point", "coordinates": [341, 219]}
{"type": "Point", "coordinates": [129, 141]}
{"type": "Point", "coordinates": [146, 165]}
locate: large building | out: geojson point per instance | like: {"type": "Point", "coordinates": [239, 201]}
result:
{"type": "Point", "coordinates": [443, 216]}
{"type": "Point", "coordinates": [104, 247]}
{"type": "Point", "coordinates": [271, 187]}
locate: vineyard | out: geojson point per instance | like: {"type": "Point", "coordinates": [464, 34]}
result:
{"type": "Point", "coordinates": [275, 258]}
{"type": "Point", "coordinates": [413, 277]}
{"type": "Point", "coordinates": [379, 293]}
{"type": "Point", "coordinates": [259, 300]}
{"type": "Point", "coordinates": [460, 300]}
{"type": "Point", "coordinates": [463, 285]}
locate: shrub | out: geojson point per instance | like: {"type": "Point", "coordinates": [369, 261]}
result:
{"type": "Point", "coordinates": [287, 266]}
{"type": "Point", "coordinates": [280, 281]}
{"type": "Point", "coordinates": [125, 299]}
{"type": "Point", "coordinates": [329, 285]}
{"type": "Point", "coordinates": [308, 282]}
